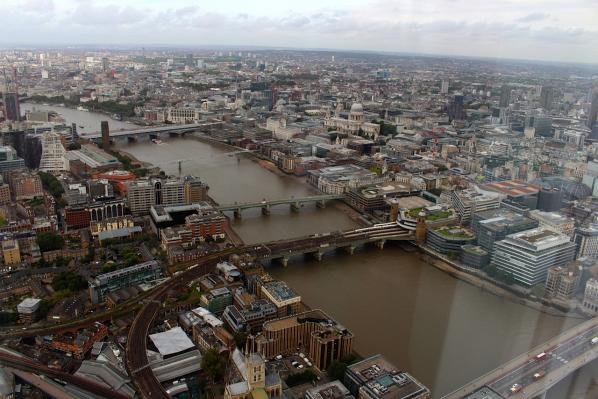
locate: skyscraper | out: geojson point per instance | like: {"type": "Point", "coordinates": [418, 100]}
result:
{"type": "Point", "coordinates": [547, 97]}
{"type": "Point", "coordinates": [12, 109]}
{"type": "Point", "coordinates": [505, 96]}
{"type": "Point", "coordinates": [53, 153]}
{"type": "Point", "coordinates": [593, 109]}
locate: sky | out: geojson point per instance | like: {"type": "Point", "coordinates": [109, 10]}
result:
{"type": "Point", "coordinates": [555, 30]}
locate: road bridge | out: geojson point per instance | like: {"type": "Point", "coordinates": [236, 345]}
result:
{"type": "Point", "coordinates": [154, 132]}
{"type": "Point", "coordinates": [533, 373]}
{"type": "Point", "coordinates": [265, 205]}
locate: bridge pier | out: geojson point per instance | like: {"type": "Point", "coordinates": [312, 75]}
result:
{"type": "Point", "coordinates": [237, 213]}
{"type": "Point", "coordinates": [321, 204]}
{"type": "Point", "coordinates": [380, 244]}
{"type": "Point", "coordinates": [541, 396]}
{"type": "Point", "coordinates": [266, 210]}
{"type": "Point", "coordinates": [295, 207]}
{"type": "Point", "coordinates": [285, 261]}
{"type": "Point", "coordinates": [350, 249]}
{"type": "Point", "coordinates": [318, 255]}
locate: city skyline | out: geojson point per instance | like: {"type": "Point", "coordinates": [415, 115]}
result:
{"type": "Point", "coordinates": [532, 30]}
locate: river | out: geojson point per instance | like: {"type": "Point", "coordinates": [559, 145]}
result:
{"type": "Point", "coordinates": [442, 330]}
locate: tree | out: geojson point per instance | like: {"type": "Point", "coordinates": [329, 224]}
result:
{"type": "Point", "coordinates": [240, 339]}
{"type": "Point", "coordinates": [49, 241]}
{"type": "Point", "coordinates": [336, 370]}
{"type": "Point", "coordinates": [68, 281]}
{"type": "Point", "coordinates": [213, 364]}
{"type": "Point", "coordinates": [301, 378]}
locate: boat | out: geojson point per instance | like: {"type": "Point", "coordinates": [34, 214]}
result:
{"type": "Point", "coordinates": [81, 127]}
{"type": "Point", "coordinates": [117, 117]}
{"type": "Point", "coordinates": [156, 141]}
{"type": "Point", "coordinates": [80, 108]}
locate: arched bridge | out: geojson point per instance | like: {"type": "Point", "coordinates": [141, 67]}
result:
{"type": "Point", "coordinates": [265, 205]}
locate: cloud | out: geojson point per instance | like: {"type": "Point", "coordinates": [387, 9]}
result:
{"type": "Point", "coordinates": [534, 17]}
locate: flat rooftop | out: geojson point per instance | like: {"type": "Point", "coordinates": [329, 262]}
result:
{"type": "Point", "coordinates": [280, 291]}
{"type": "Point", "coordinates": [512, 188]}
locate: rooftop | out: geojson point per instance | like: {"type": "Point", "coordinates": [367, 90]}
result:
{"type": "Point", "coordinates": [171, 341]}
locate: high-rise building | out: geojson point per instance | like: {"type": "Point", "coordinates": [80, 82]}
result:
{"type": "Point", "coordinates": [53, 153]}
{"type": "Point", "coordinates": [542, 125]}
{"type": "Point", "coordinates": [9, 159]}
{"type": "Point", "coordinates": [529, 254]}
{"type": "Point", "coordinates": [586, 239]}
{"type": "Point", "coordinates": [593, 109]}
{"type": "Point", "coordinates": [444, 87]}
{"type": "Point", "coordinates": [563, 282]}
{"type": "Point", "coordinates": [105, 135]}
{"type": "Point", "coordinates": [12, 108]}
{"type": "Point", "coordinates": [105, 64]}
{"type": "Point", "coordinates": [505, 96]}
{"type": "Point", "coordinates": [590, 296]}
{"type": "Point", "coordinates": [142, 194]}
{"type": "Point", "coordinates": [456, 108]}
{"type": "Point", "coordinates": [468, 202]}
{"type": "Point", "coordinates": [547, 97]}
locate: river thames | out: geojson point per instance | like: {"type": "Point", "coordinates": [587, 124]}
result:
{"type": "Point", "coordinates": [442, 330]}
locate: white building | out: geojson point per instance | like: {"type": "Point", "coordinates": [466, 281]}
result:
{"type": "Point", "coordinates": [529, 254]}
{"type": "Point", "coordinates": [586, 239]}
{"type": "Point", "coordinates": [590, 296]}
{"type": "Point", "coordinates": [53, 154]}
{"type": "Point", "coordinates": [554, 221]}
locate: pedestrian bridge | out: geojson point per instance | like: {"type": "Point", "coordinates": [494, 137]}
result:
{"type": "Point", "coordinates": [265, 205]}
{"type": "Point", "coordinates": [533, 373]}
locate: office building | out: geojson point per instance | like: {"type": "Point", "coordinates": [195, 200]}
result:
{"type": "Point", "coordinates": [142, 194]}
{"type": "Point", "coordinates": [4, 194]}
{"type": "Point", "coordinates": [216, 300]}
{"type": "Point", "coordinates": [11, 252]}
{"type": "Point", "coordinates": [282, 296]}
{"type": "Point", "coordinates": [474, 256]}
{"type": "Point", "coordinates": [554, 221]}
{"type": "Point", "coordinates": [541, 124]}
{"type": "Point", "coordinates": [593, 115]}
{"type": "Point", "coordinates": [25, 185]}
{"type": "Point", "coordinates": [529, 254]}
{"type": "Point", "coordinates": [505, 96]}
{"type": "Point", "coordinates": [468, 202]}
{"type": "Point", "coordinates": [590, 296]}
{"type": "Point", "coordinates": [563, 282]}
{"type": "Point", "coordinates": [9, 159]}
{"type": "Point", "coordinates": [195, 190]}
{"type": "Point", "coordinates": [448, 240]}
{"type": "Point", "coordinates": [28, 308]}
{"type": "Point", "coordinates": [494, 225]}
{"type": "Point", "coordinates": [53, 153]}
{"type": "Point", "coordinates": [444, 87]}
{"type": "Point", "coordinates": [586, 239]}
{"type": "Point", "coordinates": [547, 97]}
{"type": "Point", "coordinates": [12, 107]}
{"type": "Point", "coordinates": [80, 342]}
{"type": "Point", "coordinates": [315, 333]}
{"type": "Point", "coordinates": [103, 284]}
{"type": "Point", "coordinates": [342, 178]}
{"type": "Point", "coordinates": [377, 378]}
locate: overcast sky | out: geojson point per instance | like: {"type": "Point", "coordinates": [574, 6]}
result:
{"type": "Point", "coordinates": [562, 30]}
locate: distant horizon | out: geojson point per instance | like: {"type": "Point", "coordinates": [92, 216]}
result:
{"type": "Point", "coordinates": [554, 30]}
{"type": "Point", "coordinates": [248, 48]}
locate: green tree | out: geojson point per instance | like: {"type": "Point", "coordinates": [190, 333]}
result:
{"type": "Point", "coordinates": [49, 241]}
{"type": "Point", "coordinates": [240, 339]}
{"type": "Point", "coordinates": [301, 378]}
{"type": "Point", "coordinates": [336, 370]}
{"type": "Point", "coordinates": [213, 364]}
{"type": "Point", "coordinates": [68, 281]}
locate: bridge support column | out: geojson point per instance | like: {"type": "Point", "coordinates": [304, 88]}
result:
{"type": "Point", "coordinates": [541, 396]}
{"type": "Point", "coordinates": [295, 207]}
{"type": "Point", "coordinates": [350, 249]}
{"type": "Point", "coordinates": [318, 255]}
{"type": "Point", "coordinates": [237, 213]}
{"type": "Point", "coordinates": [266, 210]}
{"type": "Point", "coordinates": [285, 261]}
{"type": "Point", "coordinates": [380, 244]}
{"type": "Point", "coordinates": [321, 204]}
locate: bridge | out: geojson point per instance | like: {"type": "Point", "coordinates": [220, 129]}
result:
{"type": "Point", "coordinates": [533, 373]}
{"type": "Point", "coordinates": [265, 205]}
{"type": "Point", "coordinates": [137, 363]}
{"type": "Point", "coordinates": [153, 132]}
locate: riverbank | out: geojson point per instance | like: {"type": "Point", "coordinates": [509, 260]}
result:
{"type": "Point", "coordinates": [456, 270]}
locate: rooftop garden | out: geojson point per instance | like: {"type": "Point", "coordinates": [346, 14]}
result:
{"type": "Point", "coordinates": [433, 216]}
